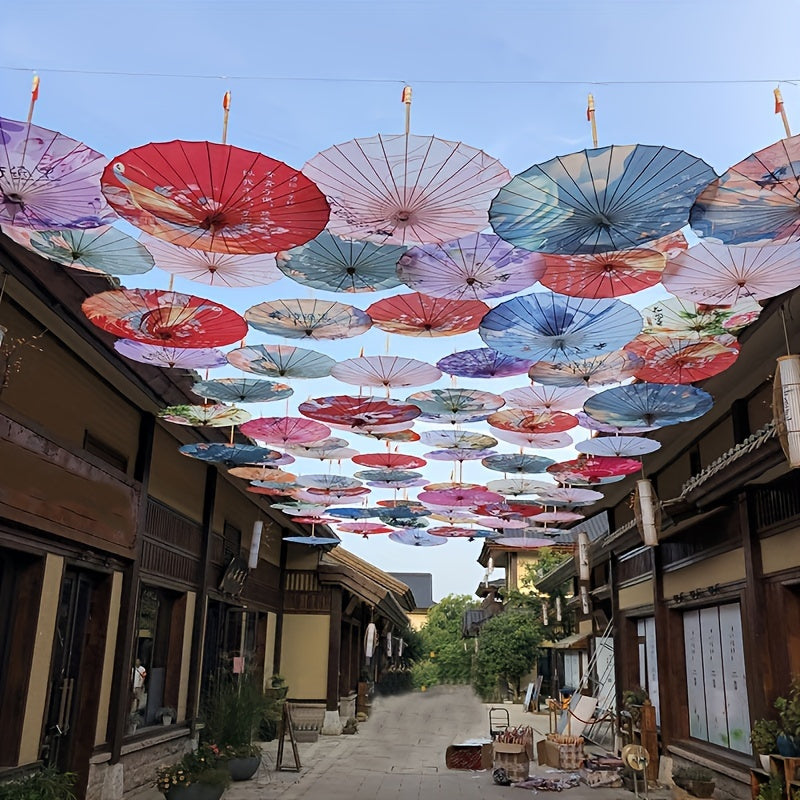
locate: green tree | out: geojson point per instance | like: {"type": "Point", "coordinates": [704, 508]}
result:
{"type": "Point", "coordinates": [442, 638]}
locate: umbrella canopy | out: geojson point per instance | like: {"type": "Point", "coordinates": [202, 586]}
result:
{"type": "Point", "coordinates": [539, 441]}
{"type": "Point", "coordinates": [461, 440]}
{"type": "Point", "coordinates": [611, 368]}
{"type": "Point", "coordinates": [594, 201]}
{"type": "Point", "coordinates": [164, 318]}
{"type": "Point", "coordinates": [353, 513]}
{"type": "Point", "coordinates": [455, 405]}
{"type": "Point", "coordinates": [104, 250]}
{"type": "Point", "coordinates": [454, 532]}
{"type": "Point", "coordinates": [621, 446]}
{"type": "Point", "coordinates": [335, 482]}
{"type": "Point", "coordinates": [548, 398]}
{"type": "Point", "coordinates": [242, 390]}
{"type": "Point", "coordinates": [756, 199]}
{"type": "Point", "coordinates": [214, 269]}
{"type": "Point", "coordinates": [285, 430]}
{"type": "Point", "coordinates": [720, 275]}
{"type": "Point", "coordinates": [592, 424]}
{"type": "Point", "coordinates": [406, 435]}
{"type": "Point", "coordinates": [396, 516]}
{"type": "Point", "coordinates": [260, 475]}
{"type": "Point", "coordinates": [214, 197]}
{"type": "Point", "coordinates": [517, 486]}
{"type": "Point", "coordinates": [458, 498]}
{"type": "Point", "coordinates": [483, 363]}
{"type": "Point", "coordinates": [523, 542]}
{"type": "Point", "coordinates": [686, 318]}
{"type": "Point", "coordinates": [557, 516]}
{"type": "Point", "coordinates": [404, 484]}
{"type": "Point", "coordinates": [596, 467]}
{"type": "Point", "coordinates": [419, 315]}
{"type": "Point", "coordinates": [49, 181]}
{"type": "Point", "coordinates": [358, 412]}
{"type": "Point", "coordinates": [308, 319]}
{"type": "Point", "coordinates": [406, 189]}
{"type": "Point", "coordinates": [416, 538]}
{"type": "Point", "coordinates": [522, 420]}
{"type": "Point", "coordinates": [310, 448]}
{"type": "Point", "coordinates": [388, 371]}
{"type": "Point", "coordinates": [387, 475]}
{"type": "Point", "coordinates": [648, 404]}
{"type": "Point", "coordinates": [281, 361]}
{"type": "Point", "coordinates": [559, 329]}
{"type": "Point", "coordinates": [569, 497]}
{"type": "Point", "coordinates": [669, 359]}
{"type": "Point", "coordinates": [366, 529]}
{"type": "Point", "coordinates": [230, 455]}
{"type": "Point", "coordinates": [171, 357]}
{"type": "Point", "coordinates": [342, 265]}
{"type": "Point", "coordinates": [517, 463]}
{"type": "Point", "coordinates": [213, 416]}
{"type": "Point", "coordinates": [506, 510]}
{"type": "Point", "coordinates": [313, 541]}
{"type": "Point", "coordinates": [459, 454]}
{"type": "Point", "coordinates": [501, 523]}
{"type": "Point", "coordinates": [388, 460]}
{"type": "Point", "coordinates": [478, 267]}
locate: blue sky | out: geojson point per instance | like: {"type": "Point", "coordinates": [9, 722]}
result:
{"type": "Point", "coordinates": [508, 77]}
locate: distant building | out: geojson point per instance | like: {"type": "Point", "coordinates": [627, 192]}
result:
{"type": "Point", "coordinates": [421, 585]}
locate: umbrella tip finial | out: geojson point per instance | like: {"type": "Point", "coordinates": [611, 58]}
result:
{"type": "Point", "coordinates": [406, 99]}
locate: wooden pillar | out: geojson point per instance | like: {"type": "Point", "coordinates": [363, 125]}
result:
{"type": "Point", "coordinates": [334, 649]}
{"type": "Point", "coordinates": [617, 631]}
{"type": "Point", "coordinates": [276, 658]}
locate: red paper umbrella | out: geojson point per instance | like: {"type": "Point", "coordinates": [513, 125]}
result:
{"type": "Point", "coordinates": [366, 529]}
{"type": "Point", "coordinates": [284, 430]}
{"type": "Point", "coordinates": [389, 460]}
{"type": "Point", "coordinates": [214, 197]}
{"type": "Point", "coordinates": [316, 520]}
{"type": "Point", "coordinates": [520, 420]}
{"type": "Point", "coordinates": [459, 498]}
{"type": "Point", "coordinates": [165, 318]}
{"type": "Point", "coordinates": [271, 491]}
{"type": "Point", "coordinates": [388, 371]}
{"type": "Point", "coordinates": [506, 510]}
{"type": "Point", "coordinates": [669, 359]}
{"type": "Point", "coordinates": [596, 467]}
{"type": "Point", "coordinates": [406, 435]}
{"type": "Point", "coordinates": [262, 474]}
{"type": "Point", "coordinates": [419, 315]}
{"type": "Point", "coordinates": [358, 412]}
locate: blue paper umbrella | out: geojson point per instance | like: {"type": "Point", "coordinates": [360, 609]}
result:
{"type": "Point", "coordinates": [594, 201]}
{"type": "Point", "coordinates": [386, 475]}
{"type": "Point", "coordinates": [281, 361]}
{"type": "Point", "coordinates": [355, 513]}
{"type": "Point", "coordinates": [618, 446]}
{"type": "Point", "coordinates": [342, 265]}
{"type": "Point", "coordinates": [402, 515]}
{"type": "Point", "coordinates": [416, 538]}
{"type": "Point", "coordinates": [557, 328]}
{"type": "Point", "coordinates": [313, 541]}
{"type": "Point", "coordinates": [242, 390]}
{"type": "Point", "coordinates": [648, 405]}
{"type": "Point", "coordinates": [231, 455]}
{"type": "Point", "coordinates": [517, 463]}
{"type": "Point", "coordinates": [483, 363]}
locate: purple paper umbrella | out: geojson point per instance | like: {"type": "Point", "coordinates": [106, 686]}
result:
{"type": "Point", "coordinates": [172, 357]}
{"type": "Point", "coordinates": [483, 363]}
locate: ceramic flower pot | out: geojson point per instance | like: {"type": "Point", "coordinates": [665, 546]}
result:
{"type": "Point", "coordinates": [242, 769]}
{"type": "Point", "coordinates": [786, 746]}
{"type": "Point", "coordinates": [195, 791]}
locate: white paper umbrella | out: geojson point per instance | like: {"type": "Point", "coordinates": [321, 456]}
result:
{"type": "Point", "coordinates": [687, 318]}
{"type": "Point", "coordinates": [618, 446]}
{"type": "Point", "coordinates": [548, 398]}
{"type": "Point", "coordinates": [609, 368]}
{"type": "Point", "coordinates": [515, 487]}
{"type": "Point", "coordinates": [539, 441]}
{"type": "Point", "coordinates": [387, 371]}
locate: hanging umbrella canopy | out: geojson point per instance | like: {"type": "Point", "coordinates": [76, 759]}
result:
{"type": "Point", "coordinates": [171, 357]}
{"type": "Point", "coordinates": [455, 405]}
{"type": "Point", "coordinates": [388, 460]}
{"type": "Point", "coordinates": [477, 267]}
{"type": "Point", "coordinates": [281, 361]}
{"type": "Point", "coordinates": [517, 463]}
{"type": "Point", "coordinates": [458, 498]}
{"type": "Point", "coordinates": [720, 275]}
{"type": "Point", "coordinates": [335, 494]}
{"type": "Point", "coordinates": [242, 390]}
{"type": "Point", "coordinates": [483, 363]}
{"type": "Point", "coordinates": [358, 412]}
{"type": "Point", "coordinates": [285, 430]}
{"type": "Point", "coordinates": [538, 441]}
{"type": "Point", "coordinates": [559, 329]}
{"type": "Point", "coordinates": [335, 482]}
{"type": "Point", "coordinates": [353, 513]}
{"type": "Point", "coordinates": [517, 487]}
{"type": "Point", "coordinates": [271, 489]}
{"type": "Point", "coordinates": [302, 509]}
{"type": "Point", "coordinates": [383, 475]}
{"type": "Point", "coordinates": [213, 416]}
{"type": "Point", "coordinates": [554, 496]}
{"type": "Point", "coordinates": [214, 269]}
{"type": "Point", "coordinates": [366, 529]}
{"type": "Point", "coordinates": [621, 446]}
{"type": "Point", "coordinates": [382, 435]}
{"type": "Point", "coordinates": [756, 199]}
{"type": "Point", "coordinates": [594, 201]}
{"type": "Point", "coordinates": [308, 319]}
{"type": "Point", "coordinates": [452, 516]}
{"type": "Point", "coordinates": [521, 420]}
{"type": "Point", "coordinates": [523, 542]}
{"type": "Point", "coordinates": [454, 532]}
{"type": "Point", "coordinates": [670, 359]}
{"type": "Point", "coordinates": [610, 368]}
{"type": "Point", "coordinates": [419, 315]}
{"type": "Point", "coordinates": [400, 515]}
{"type": "Point", "coordinates": [686, 318]}
{"type": "Point", "coordinates": [406, 484]}
{"type": "Point", "coordinates": [342, 265]}
{"type": "Point", "coordinates": [592, 424]}
{"type": "Point", "coordinates": [459, 454]}
{"type": "Point", "coordinates": [303, 449]}
{"type": "Point", "coordinates": [262, 475]}
{"type": "Point", "coordinates": [49, 181]}
{"type": "Point", "coordinates": [231, 455]}
{"type": "Point", "coordinates": [548, 398]}
{"type": "Point", "coordinates": [596, 467]}
{"type": "Point", "coordinates": [441, 487]}
{"type": "Point", "coordinates": [214, 197]}
{"type": "Point", "coordinates": [164, 318]}
{"type": "Point", "coordinates": [501, 523]}
{"type": "Point", "coordinates": [648, 404]}
{"type": "Point", "coordinates": [103, 250]}
{"type": "Point", "coordinates": [416, 538]}
{"type": "Point", "coordinates": [313, 541]}
{"type": "Point", "coordinates": [387, 371]}
{"type": "Point", "coordinates": [400, 504]}
{"type": "Point", "coordinates": [460, 440]}
{"type": "Point", "coordinates": [506, 510]}
{"type": "Point", "coordinates": [557, 516]}
{"type": "Point", "coordinates": [406, 189]}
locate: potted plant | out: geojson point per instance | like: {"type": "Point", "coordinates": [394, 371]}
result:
{"type": "Point", "coordinates": [698, 781]}
{"type": "Point", "coordinates": [773, 789]}
{"type": "Point", "coordinates": [764, 737]}
{"type": "Point", "coordinates": [199, 775]}
{"type": "Point", "coordinates": [167, 714]}
{"type": "Point", "coordinates": [788, 739]}
{"type": "Point", "coordinates": [46, 783]}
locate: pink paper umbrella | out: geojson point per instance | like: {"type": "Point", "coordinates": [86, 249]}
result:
{"type": "Point", "coordinates": [419, 315]}
{"type": "Point", "coordinates": [539, 441]}
{"type": "Point", "coordinates": [285, 430]}
{"type": "Point", "coordinates": [671, 359]}
{"type": "Point", "coordinates": [171, 357]}
{"type": "Point", "coordinates": [358, 412]}
{"type": "Point", "coordinates": [388, 460]}
{"type": "Point", "coordinates": [459, 498]}
{"type": "Point", "coordinates": [557, 516]}
{"type": "Point", "coordinates": [521, 420]}
{"type": "Point", "coordinates": [387, 371]}
{"type": "Point", "coordinates": [596, 466]}
{"type": "Point", "coordinates": [500, 523]}
{"type": "Point", "coordinates": [366, 529]}
{"type": "Point", "coordinates": [446, 485]}
{"type": "Point", "coordinates": [506, 510]}
{"type": "Point", "coordinates": [548, 398]}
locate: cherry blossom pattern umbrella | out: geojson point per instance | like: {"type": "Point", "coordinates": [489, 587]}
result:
{"type": "Point", "coordinates": [419, 315]}
{"type": "Point", "coordinates": [455, 405]}
{"type": "Point", "coordinates": [461, 440]}
{"type": "Point", "coordinates": [516, 487]}
{"type": "Point", "coordinates": [592, 467]}
{"type": "Point", "coordinates": [406, 189]}
{"type": "Point", "coordinates": [285, 430]}
{"type": "Point", "coordinates": [230, 455]}
{"type": "Point", "coordinates": [328, 482]}
{"type": "Point", "coordinates": [594, 201]}
{"type": "Point", "coordinates": [517, 463]}
{"type": "Point", "coordinates": [163, 318]}
{"type": "Point", "coordinates": [365, 529]}
{"type": "Point", "coordinates": [459, 454]}
{"type": "Point", "coordinates": [756, 199]}
{"type": "Point", "coordinates": [555, 496]}
{"type": "Point", "coordinates": [416, 538]}
{"type": "Point", "coordinates": [620, 446]}
{"type": "Point", "coordinates": [477, 267]}
{"type": "Point", "coordinates": [720, 275]}
{"type": "Point", "coordinates": [388, 460]}
{"type": "Point", "coordinates": [684, 317]}
{"type": "Point", "coordinates": [342, 265]}
{"type": "Point", "coordinates": [610, 368]}
{"type": "Point", "coordinates": [358, 412]}
{"type": "Point", "coordinates": [308, 319]}
{"type": "Point", "coordinates": [458, 498]}
{"type": "Point", "coordinates": [592, 424]}
{"type": "Point", "coordinates": [548, 398]}
{"type": "Point", "coordinates": [242, 390]}
{"type": "Point", "coordinates": [386, 371]}
{"type": "Point", "coordinates": [49, 181]}
{"type": "Point", "coordinates": [212, 415]}
{"type": "Point", "coordinates": [281, 361]}
{"type": "Point", "coordinates": [214, 197]}
{"type": "Point", "coordinates": [539, 441]}
{"type": "Point", "coordinates": [483, 362]}
{"type": "Point", "coordinates": [648, 405]}
{"type": "Point", "coordinates": [103, 250]}
{"type": "Point", "coordinates": [559, 329]}
{"type": "Point", "coordinates": [521, 420]}
{"type": "Point", "coordinates": [228, 270]}
{"type": "Point", "coordinates": [171, 357]}
{"type": "Point", "coordinates": [672, 359]}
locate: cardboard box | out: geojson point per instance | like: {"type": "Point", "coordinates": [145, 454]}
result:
{"type": "Point", "coordinates": [469, 755]}
{"type": "Point", "coordinates": [551, 754]}
{"type": "Point", "coordinates": [513, 758]}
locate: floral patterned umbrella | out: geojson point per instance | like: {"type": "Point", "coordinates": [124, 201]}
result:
{"type": "Point", "coordinates": [171, 357]}
{"type": "Point", "coordinates": [555, 496]}
{"type": "Point", "coordinates": [358, 412]}
{"type": "Point", "coordinates": [281, 361]}
{"type": "Point", "coordinates": [353, 513]}
{"type": "Point", "coordinates": [453, 532]}
{"type": "Point", "coordinates": [458, 498]}
{"type": "Point", "coordinates": [462, 440]}
{"type": "Point", "coordinates": [501, 523]}
{"type": "Point", "coordinates": [455, 405]}
{"type": "Point", "coordinates": [622, 446]}
{"type": "Point", "coordinates": [214, 197]}
{"type": "Point", "coordinates": [557, 516]}
{"type": "Point", "coordinates": [458, 454]}
{"type": "Point", "coordinates": [342, 265]}
{"type": "Point", "coordinates": [548, 398]}
{"type": "Point", "coordinates": [521, 420]}
{"type": "Point", "coordinates": [686, 318]}
{"type": "Point", "coordinates": [416, 538]}
{"type": "Point", "coordinates": [441, 487]}
{"type": "Point", "coordinates": [478, 267]}
{"type": "Point", "coordinates": [389, 460]}
{"type": "Point", "coordinates": [261, 475]}
{"type": "Point", "coordinates": [242, 390]}
{"type": "Point", "coordinates": [231, 455]}
{"type": "Point", "coordinates": [592, 424]}
{"type": "Point", "coordinates": [404, 189]}
{"type": "Point", "coordinates": [419, 315]}
{"type": "Point", "coordinates": [213, 416]}
{"type": "Point", "coordinates": [309, 448]}
{"type": "Point", "coordinates": [595, 467]}
{"type": "Point", "coordinates": [49, 181]}
{"type": "Point", "coordinates": [517, 463]}
{"type": "Point", "coordinates": [308, 319]}
{"type": "Point", "coordinates": [483, 363]}
{"type": "Point", "coordinates": [610, 368]}
{"type": "Point", "coordinates": [285, 430]}
{"type": "Point", "coordinates": [382, 435]}
{"type": "Point", "coordinates": [506, 510]}
{"type": "Point", "coordinates": [164, 318]}
{"type": "Point", "coordinates": [539, 441]}
{"type": "Point", "coordinates": [401, 515]}
{"type": "Point", "coordinates": [405, 484]}
{"type": "Point", "coordinates": [387, 371]}
{"type": "Point", "coordinates": [366, 529]}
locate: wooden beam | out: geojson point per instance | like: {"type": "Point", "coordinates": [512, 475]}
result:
{"type": "Point", "coordinates": [334, 649]}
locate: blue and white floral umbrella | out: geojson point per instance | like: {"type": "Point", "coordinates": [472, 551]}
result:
{"type": "Point", "coordinates": [517, 463]}
{"type": "Point", "coordinates": [231, 455]}
{"type": "Point", "coordinates": [618, 446]}
{"type": "Point", "coordinates": [242, 390]}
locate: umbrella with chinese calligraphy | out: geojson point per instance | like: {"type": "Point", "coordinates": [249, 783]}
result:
{"type": "Point", "coordinates": [610, 368]}
{"type": "Point", "coordinates": [687, 318]}
{"type": "Point", "coordinates": [242, 390]}
{"type": "Point", "coordinates": [171, 357]}
{"type": "Point", "coordinates": [483, 362]}
{"type": "Point", "coordinates": [281, 361]}
{"type": "Point", "coordinates": [308, 319]}
{"type": "Point", "coordinates": [419, 315]}
{"type": "Point", "coordinates": [386, 371]}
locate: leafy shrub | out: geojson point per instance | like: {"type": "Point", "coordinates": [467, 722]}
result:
{"type": "Point", "coordinates": [44, 784]}
{"type": "Point", "coordinates": [424, 673]}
